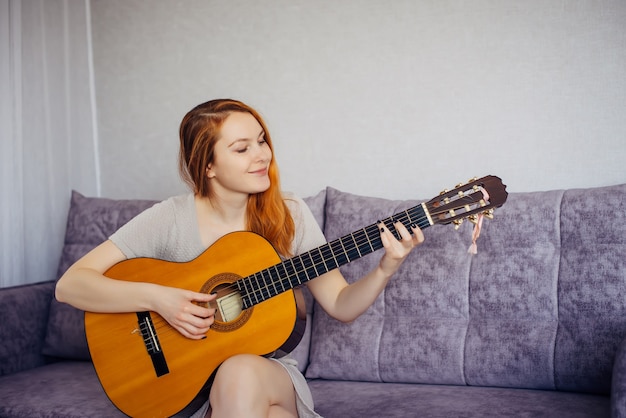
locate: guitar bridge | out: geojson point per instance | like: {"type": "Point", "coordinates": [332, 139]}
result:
{"type": "Point", "coordinates": [152, 344]}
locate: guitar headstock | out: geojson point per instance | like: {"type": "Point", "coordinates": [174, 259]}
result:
{"type": "Point", "coordinates": [469, 200]}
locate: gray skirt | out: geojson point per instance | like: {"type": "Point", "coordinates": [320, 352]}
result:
{"type": "Point", "coordinates": [304, 399]}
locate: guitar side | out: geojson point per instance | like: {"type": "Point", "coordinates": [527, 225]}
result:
{"type": "Point", "coordinates": [155, 371]}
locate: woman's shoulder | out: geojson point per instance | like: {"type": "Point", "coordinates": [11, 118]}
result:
{"type": "Point", "coordinates": [181, 200]}
{"type": "Point", "coordinates": [294, 202]}
{"type": "Point", "coordinates": [173, 204]}
{"type": "Point", "coordinates": [290, 196]}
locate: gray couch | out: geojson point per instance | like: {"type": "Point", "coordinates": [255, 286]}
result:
{"type": "Point", "coordinates": [531, 326]}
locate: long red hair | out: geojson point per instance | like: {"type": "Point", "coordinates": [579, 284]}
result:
{"type": "Point", "coordinates": [266, 213]}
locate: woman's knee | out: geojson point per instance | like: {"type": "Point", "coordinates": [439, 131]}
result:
{"type": "Point", "coordinates": [251, 380]}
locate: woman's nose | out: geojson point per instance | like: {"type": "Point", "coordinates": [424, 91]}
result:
{"type": "Point", "coordinates": [264, 153]}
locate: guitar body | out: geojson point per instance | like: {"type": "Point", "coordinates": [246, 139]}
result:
{"type": "Point", "coordinates": [147, 368]}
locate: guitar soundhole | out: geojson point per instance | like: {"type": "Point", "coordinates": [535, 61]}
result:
{"type": "Point", "coordinates": [230, 314]}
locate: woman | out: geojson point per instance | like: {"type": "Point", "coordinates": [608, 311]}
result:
{"type": "Point", "coordinates": [226, 158]}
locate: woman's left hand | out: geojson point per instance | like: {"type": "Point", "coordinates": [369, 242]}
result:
{"type": "Point", "coordinates": [396, 250]}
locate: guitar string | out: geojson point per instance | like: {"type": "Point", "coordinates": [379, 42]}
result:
{"type": "Point", "coordinates": [361, 240]}
{"type": "Point", "coordinates": [326, 251]}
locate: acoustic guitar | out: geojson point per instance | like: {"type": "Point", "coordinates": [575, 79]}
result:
{"type": "Point", "coordinates": [148, 369]}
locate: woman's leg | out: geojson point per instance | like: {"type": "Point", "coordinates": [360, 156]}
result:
{"type": "Point", "coordinates": [252, 386]}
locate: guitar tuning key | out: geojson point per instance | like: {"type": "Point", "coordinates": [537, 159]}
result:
{"type": "Point", "coordinates": [473, 219]}
{"type": "Point", "coordinates": [488, 213]}
{"type": "Point", "coordinates": [457, 223]}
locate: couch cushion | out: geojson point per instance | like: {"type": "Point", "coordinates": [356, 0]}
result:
{"type": "Point", "coordinates": [335, 399]}
{"type": "Point", "coordinates": [90, 221]}
{"type": "Point", "coordinates": [67, 389]}
{"type": "Point", "coordinates": [592, 285]}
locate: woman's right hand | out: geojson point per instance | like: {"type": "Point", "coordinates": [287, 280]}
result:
{"type": "Point", "coordinates": [182, 309]}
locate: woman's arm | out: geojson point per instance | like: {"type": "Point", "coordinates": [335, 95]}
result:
{"type": "Point", "coordinates": [345, 302]}
{"type": "Point", "coordinates": [85, 287]}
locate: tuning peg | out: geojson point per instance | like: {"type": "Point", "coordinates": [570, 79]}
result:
{"type": "Point", "coordinates": [444, 191]}
{"type": "Point", "coordinates": [488, 213]}
{"type": "Point", "coordinates": [473, 219]}
{"type": "Point", "coordinates": [457, 223]}
{"type": "Point", "coordinates": [473, 179]}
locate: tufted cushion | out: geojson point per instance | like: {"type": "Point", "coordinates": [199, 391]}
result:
{"type": "Point", "coordinates": [592, 285]}
{"type": "Point", "coordinates": [90, 221]}
{"type": "Point", "coordinates": [540, 306]}
{"type": "Point", "coordinates": [372, 347]}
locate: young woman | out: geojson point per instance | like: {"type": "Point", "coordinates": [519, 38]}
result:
{"type": "Point", "coordinates": [226, 157]}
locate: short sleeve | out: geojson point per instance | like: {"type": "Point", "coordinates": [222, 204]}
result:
{"type": "Point", "coordinates": [147, 233]}
{"type": "Point", "coordinates": [167, 231]}
{"type": "Point", "coordinates": [308, 233]}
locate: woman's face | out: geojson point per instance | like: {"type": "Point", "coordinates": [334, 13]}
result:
{"type": "Point", "coordinates": [241, 157]}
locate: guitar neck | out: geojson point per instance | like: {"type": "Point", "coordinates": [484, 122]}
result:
{"type": "Point", "coordinates": [300, 269]}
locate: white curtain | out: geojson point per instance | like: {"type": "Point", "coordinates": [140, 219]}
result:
{"type": "Point", "coordinates": [48, 130]}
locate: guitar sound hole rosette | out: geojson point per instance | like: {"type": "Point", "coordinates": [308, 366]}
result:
{"type": "Point", "coordinates": [229, 315]}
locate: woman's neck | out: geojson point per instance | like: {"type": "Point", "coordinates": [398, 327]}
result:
{"type": "Point", "coordinates": [217, 217]}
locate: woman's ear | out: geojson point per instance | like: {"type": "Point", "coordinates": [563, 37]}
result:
{"type": "Point", "coordinates": [209, 173]}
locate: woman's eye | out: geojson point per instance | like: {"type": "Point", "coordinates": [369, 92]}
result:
{"type": "Point", "coordinates": [241, 150]}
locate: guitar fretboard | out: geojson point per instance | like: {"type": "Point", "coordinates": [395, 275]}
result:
{"type": "Point", "coordinates": [298, 270]}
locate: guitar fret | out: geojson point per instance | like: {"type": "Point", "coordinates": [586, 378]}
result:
{"type": "Point", "coordinates": [326, 258]}
{"type": "Point", "coordinates": [258, 285]}
{"type": "Point", "coordinates": [306, 268]}
{"type": "Point", "coordinates": [278, 275]}
{"type": "Point", "coordinates": [266, 291]}
{"type": "Point", "coordinates": [242, 285]}
{"type": "Point", "coordinates": [368, 240]}
{"type": "Point", "coordinates": [256, 297]}
{"type": "Point", "coordinates": [330, 247]}
{"type": "Point", "coordinates": [261, 285]}
{"type": "Point", "coordinates": [245, 298]}
{"type": "Point", "coordinates": [302, 269]}
{"type": "Point", "coordinates": [295, 271]}
{"type": "Point", "coordinates": [356, 245]}
{"type": "Point", "coordinates": [271, 281]}
{"type": "Point", "coordinates": [285, 276]}
{"type": "Point", "coordinates": [313, 263]}
{"type": "Point", "coordinates": [340, 253]}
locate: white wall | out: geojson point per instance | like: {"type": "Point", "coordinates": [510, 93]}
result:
{"type": "Point", "coordinates": [391, 98]}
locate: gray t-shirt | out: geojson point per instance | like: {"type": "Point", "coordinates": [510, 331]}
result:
{"type": "Point", "coordinates": [169, 230]}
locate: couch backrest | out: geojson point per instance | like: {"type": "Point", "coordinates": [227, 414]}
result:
{"type": "Point", "coordinates": [540, 306]}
